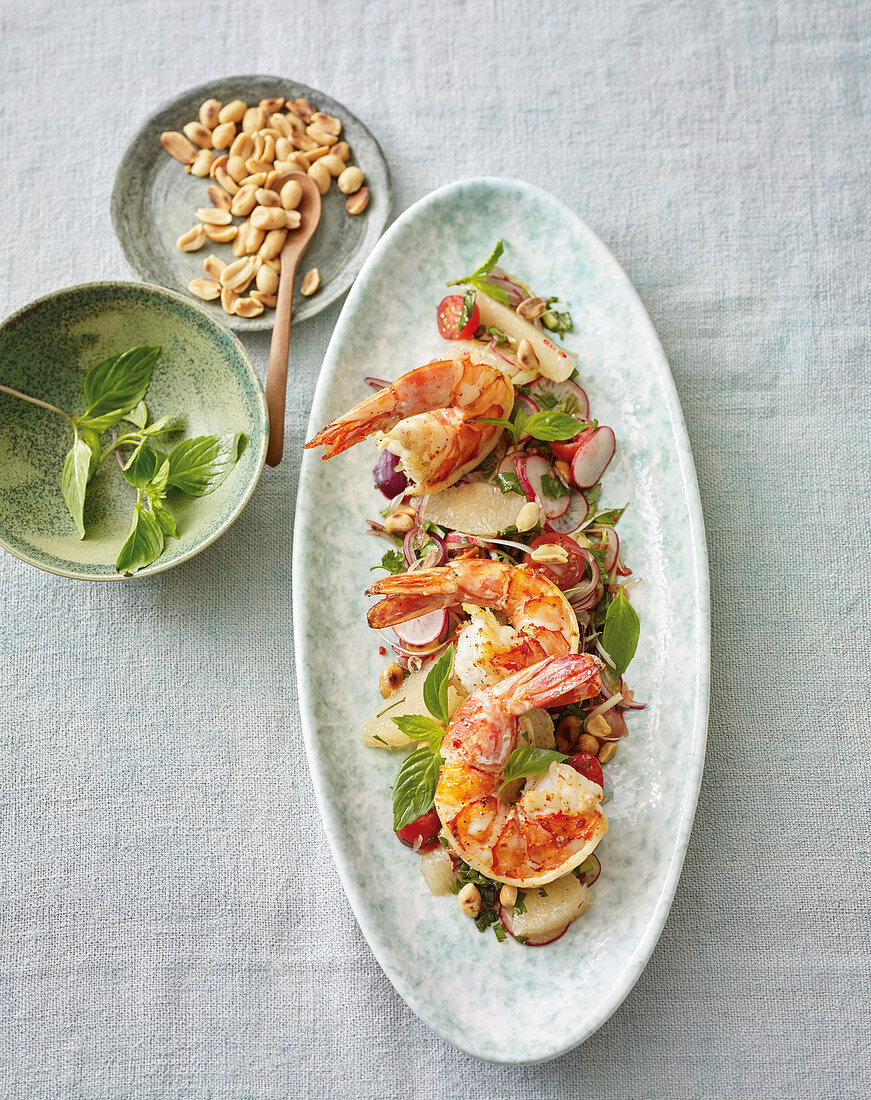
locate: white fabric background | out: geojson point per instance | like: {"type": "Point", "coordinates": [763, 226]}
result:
{"type": "Point", "coordinates": [171, 924]}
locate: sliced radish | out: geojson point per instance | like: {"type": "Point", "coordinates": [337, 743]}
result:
{"type": "Point", "coordinates": [610, 548]}
{"type": "Point", "coordinates": [505, 915]}
{"type": "Point", "coordinates": [529, 407]}
{"type": "Point", "coordinates": [424, 630]}
{"type": "Point", "coordinates": [590, 870]}
{"type": "Point", "coordinates": [564, 391]}
{"type": "Point", "coordinates": [592, 457]}
{"type": "Point", "coordinates": [530, 469]}
{"type": "Point", "coordinates": [506, 466]}
{"type": "Point", "coordinates": [574, 516]}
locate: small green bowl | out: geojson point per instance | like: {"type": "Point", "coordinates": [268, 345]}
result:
{"type": "Point", "coordinates": [203, 373]}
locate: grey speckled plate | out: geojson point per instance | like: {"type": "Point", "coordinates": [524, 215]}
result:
{"type": "Point", "coordinates": [506, 1002]}
{"type": "Point", "coordinates": [154, 199]}
{"type": "Point", "coordinates": [203, 373]}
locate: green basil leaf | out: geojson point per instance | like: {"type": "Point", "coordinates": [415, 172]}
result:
{"type": "Point", "coordinates": [498, 335]}
{"type": "Point", "coordinates": [118, 384]}
{"type": "Point", "coordinates": [415, 787]}
{"type": "Point", "coordinates": [198, 466]}
{"type": "Point", "coordinates": [491, 261]}
{"type": "Point", "coordinates": [508, 483]}
{"type": "Point", "coordinates": [552, 487]}
{"type": "Point", "coordinates": [165, 518]}
{"type": "Point", "coordinates": [78, 468]}
{"type": "Point", "coordinates": [506, 424]}
{"type": "Point", "coordinates": [144, 543]}
{"type": "Point", "coordinates": [609, 517]}
{"type": "Point", "coordinates": [171, 423]}
{"type": "Point", "coordinates": [435, 686]}
{"type": "Point", "coordinates": [620, 636]}
{"type": "Point", "coordinates": [491, 291]}
{"type": "Point", "coordinates": [528, 761]}
{"type": "Point", "coordinates": [143, 467]}
{"type": "Point", "coordinates": [466, 311]}
{"type": "Point", "coordinates": [546, 400]}
{"type": "Point", "coordinates": [138, 415]}
{"type": "Point", "coordinates": [420, 728]}
{"type": "Point", "coordinates": [552, 425]}
{"type": "Point", "coordinates": [393, 561]}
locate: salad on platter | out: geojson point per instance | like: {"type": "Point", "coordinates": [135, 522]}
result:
{"type": "Point", "coordinates": [504, 606]}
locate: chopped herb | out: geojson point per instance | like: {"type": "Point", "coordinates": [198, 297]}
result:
{"type": "Point", "coordinates": [524, 762]}
{"type": "Point", "coordinates": [381, 713]}
{"type": "Point", "coordinates": [376, 737]}
{"type": "Point", "coordinates": [393, 561]}
{"type": "Point", "coordinates": [498, 335]}
{"type": "Point", "coordinates": [542, 893]}
{"type": "Point", "coordinates": [552, 487]}
{"type": "Point", "coordinates": [468, 306]}
{"type": "Point", "coordinates": [608, 518]}
{"type": "Point", "coordinates": [508, 483]}
{"type": "Point", "coordinates": [499, 931]}
{"type": "Point", "coordinates": [520, 904]}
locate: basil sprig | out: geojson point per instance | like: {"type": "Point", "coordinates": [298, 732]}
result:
{"type": "Point", "coordinates": [478, 278]}
{"type": "Point", "coordinates": [114, 392]}
{"type": "Point", "coordinates": [525, 762]}
{"type": "Point", "coordinates": [549, 425]}
{"type": "Point", "coordinates": [415, 786]}
{"type": "Point", "coordinates": [620, 636]}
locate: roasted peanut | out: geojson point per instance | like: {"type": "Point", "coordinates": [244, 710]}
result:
{"type": "Point", "coordinates": [526, 356]}
{"type": "Point", "coordinates": [549, 553]}
{"type": "Point", "coordinates": [328, 123]}
{"type": "Point", "coordinates": [528, 516]}
{"type": "Point", "coordinates": [228, 299]}
{"type": "Point", "coordinates": [470, 900]}
{"type": "Point", "coordinates": [265, 197]}
{"type": "Point", "coordinates": [268, 217]}
{"type": "Point", "coordinates": [267, 279]}
{"type": "Point", "coordinates": [221, 234]}
{"type": "Point", "coordinates": [223, 134]}
{"type": "Point", "coordinates": [253, 119]}
{"type": "Point", "coordinates": [202, 163]}
{"type": "Point", "coordinates": [248, 307]}
{"type": "Point", "coordinates": [270, 301]}
{"type": "Point", "coordinates": [587, 743]}
{"type": "Point", "coordinates": [237, 275]}
{"type": "Point", "coordinates": [244, 200]}
{"type": "Point", "coordinates": [233, 112]}
{"type": "Point", "coordinates": [390, 679]}
{"type": "Point", "coordinates": [178, 146]}
{"type": "Point", "coordinates": [197, 133]}
{"type": "Point", "coordinates": [350, 180]}
{"type": "Point", "coordinates": [530, 308]}
{"type": "Point", "coordinates": [243, 146]}
{"type": "Point", "coordinates": [207, 289]}
{"type": "Point", "coordinates": [291, 195]}
{"type": "Point", "coordinates": [597, 726]}
{"type": "Point", "coordinates": [236, 168]}
{"type": "Point", "coordinates": [192, 240]}
{"type": "Point", "coordinates": [272, 104]}
{"type": "Point", "coordinates": [564, 470]}
{"type": "Point", "coordinates": [606, 752]}
{"type": "Point", "coordinates": [310, 282]}
{"type": "Point", "coordinates": [212, 215]}
{"type": "Point", "coordinates": [209, 112]}
{"type": "Point", "coordinates": [334, 165]}
{"type": "Point", "coordinates": [357, 203]}
{"type": "Point", "coordinates": [213, 266]}
{"type": "Point", "coordinates": [321, 177]}
{"type": "Point", "coordinates": [508, 895]}
{"type": "Point", "coordinates": [273, 244]}
{"type": "Point", "coordinates": [567, 732]}
{"type": "Point", "coordinates": [341, 150]}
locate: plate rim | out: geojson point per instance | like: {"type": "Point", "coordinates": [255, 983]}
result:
{"type": "Point", "coordinates": [639, 958]}
{"type": "Point", "coordinates": [116, 198]}
{"type": "Point", "coordinates": [257, 389]}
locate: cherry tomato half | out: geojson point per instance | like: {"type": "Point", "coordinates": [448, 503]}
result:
{"type": "Point", "coordinates": [566, 449]}
{"type": "Point", "coordinates": [588, 766]}
{"type": "Point", "coordinates": [426, 827]}
{"type": "Point", "coordinates": [563, 574]}
{"type": "Point", "coordinates": [448, 317]}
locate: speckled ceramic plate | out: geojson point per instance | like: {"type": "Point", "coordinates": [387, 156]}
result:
{"type": "Point", "coordinates": [203, 373]}
{"type": "Point", "coordinates": [154, 199]}
{"type": "Point", "coordinates": [505, 1002]}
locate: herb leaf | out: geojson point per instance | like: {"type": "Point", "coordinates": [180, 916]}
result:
{"type": "Point", "coordinates": [468, 306]}
{"type": "Point", "coordinates": [620, 636]}
{"type": "Point", "coordinates": [143, 467]}
{"type": "Point", "coordinates": [198, 466]}
{"type": "Point", "coordinates": [477, 278]}
{"type": "Point", "coordinates": [498, 335]}
{"type": "Point", "coordinates": [116, 386]}
{"type": "Point", "coordinates": [420, 728]}
{"type": "Point", "coordinates": [144, 543]}
{"type": "Point", "coordinates": [508, 483]}
{"type": "Point", "coordinates": [415, 787]}
{"type": "Point", "coordinates": [79, 465]}
{"type": "Point", "coordinates": [557, 321]}
{"type": "Point", "coordinates": [528, 761]}
{"type": "Point", "coordinates": [393, 561]}
{"type": "Point", "coordinates": [609, 518]}
{"type": "Point", "coordinates": [165, 518]}
{"type": "Point", "coordinates": [435, 686]}
{"type": "Point", "coordinates": [138, 415]}
{"type": "Point", "coordinates": [552, 487]}
{"type": "Point", "coordinates": [551, 425]}
{"type": "Point", "coordinates": [491, 261]}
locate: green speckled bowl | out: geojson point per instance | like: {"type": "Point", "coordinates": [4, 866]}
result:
{"type": "Point", "coordinates": [203, 373]}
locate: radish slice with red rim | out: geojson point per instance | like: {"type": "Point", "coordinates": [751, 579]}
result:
{"type": "Point", "coordinates": [592, 457]}
{"type": "Point", "coordinates": [573, 518]}
{"type": "Point", "coordinates": [610, 548]}
{"type": "Point", "coordinates": [424, 630]}
{"type": "Point", "coordinates": [530, 470]}
{"type": "Point", "coordinates": [567, 393]}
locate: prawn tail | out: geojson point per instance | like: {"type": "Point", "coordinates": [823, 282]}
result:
{"type": "Point", "coordinates": [554, 682]}
{"type": "Point", "coordinates": [374, 414]}
{"type": "Point", "coordinates": [408, 595]}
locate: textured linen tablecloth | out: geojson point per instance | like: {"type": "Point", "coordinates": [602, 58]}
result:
{"type": "Point", "coordinates": [171, 923]}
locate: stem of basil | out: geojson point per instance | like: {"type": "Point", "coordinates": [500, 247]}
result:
{"type": "Point", "coordinates": [36, 401]}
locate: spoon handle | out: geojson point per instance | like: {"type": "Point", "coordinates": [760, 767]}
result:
{"type": "Point", "coordinates": [276, 375]}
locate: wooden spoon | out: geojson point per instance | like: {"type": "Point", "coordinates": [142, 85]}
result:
{"type": "Point", "coordinates": [291, 254]}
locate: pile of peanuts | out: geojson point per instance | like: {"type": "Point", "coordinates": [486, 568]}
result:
{"type": "Point", "coordinates": [264, 145]}
{"type": "Point", "coordinates": [598, 735]}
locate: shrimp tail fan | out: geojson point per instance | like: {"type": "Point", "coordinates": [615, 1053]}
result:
{"type": "Point", "coordinates": [553, 682]}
